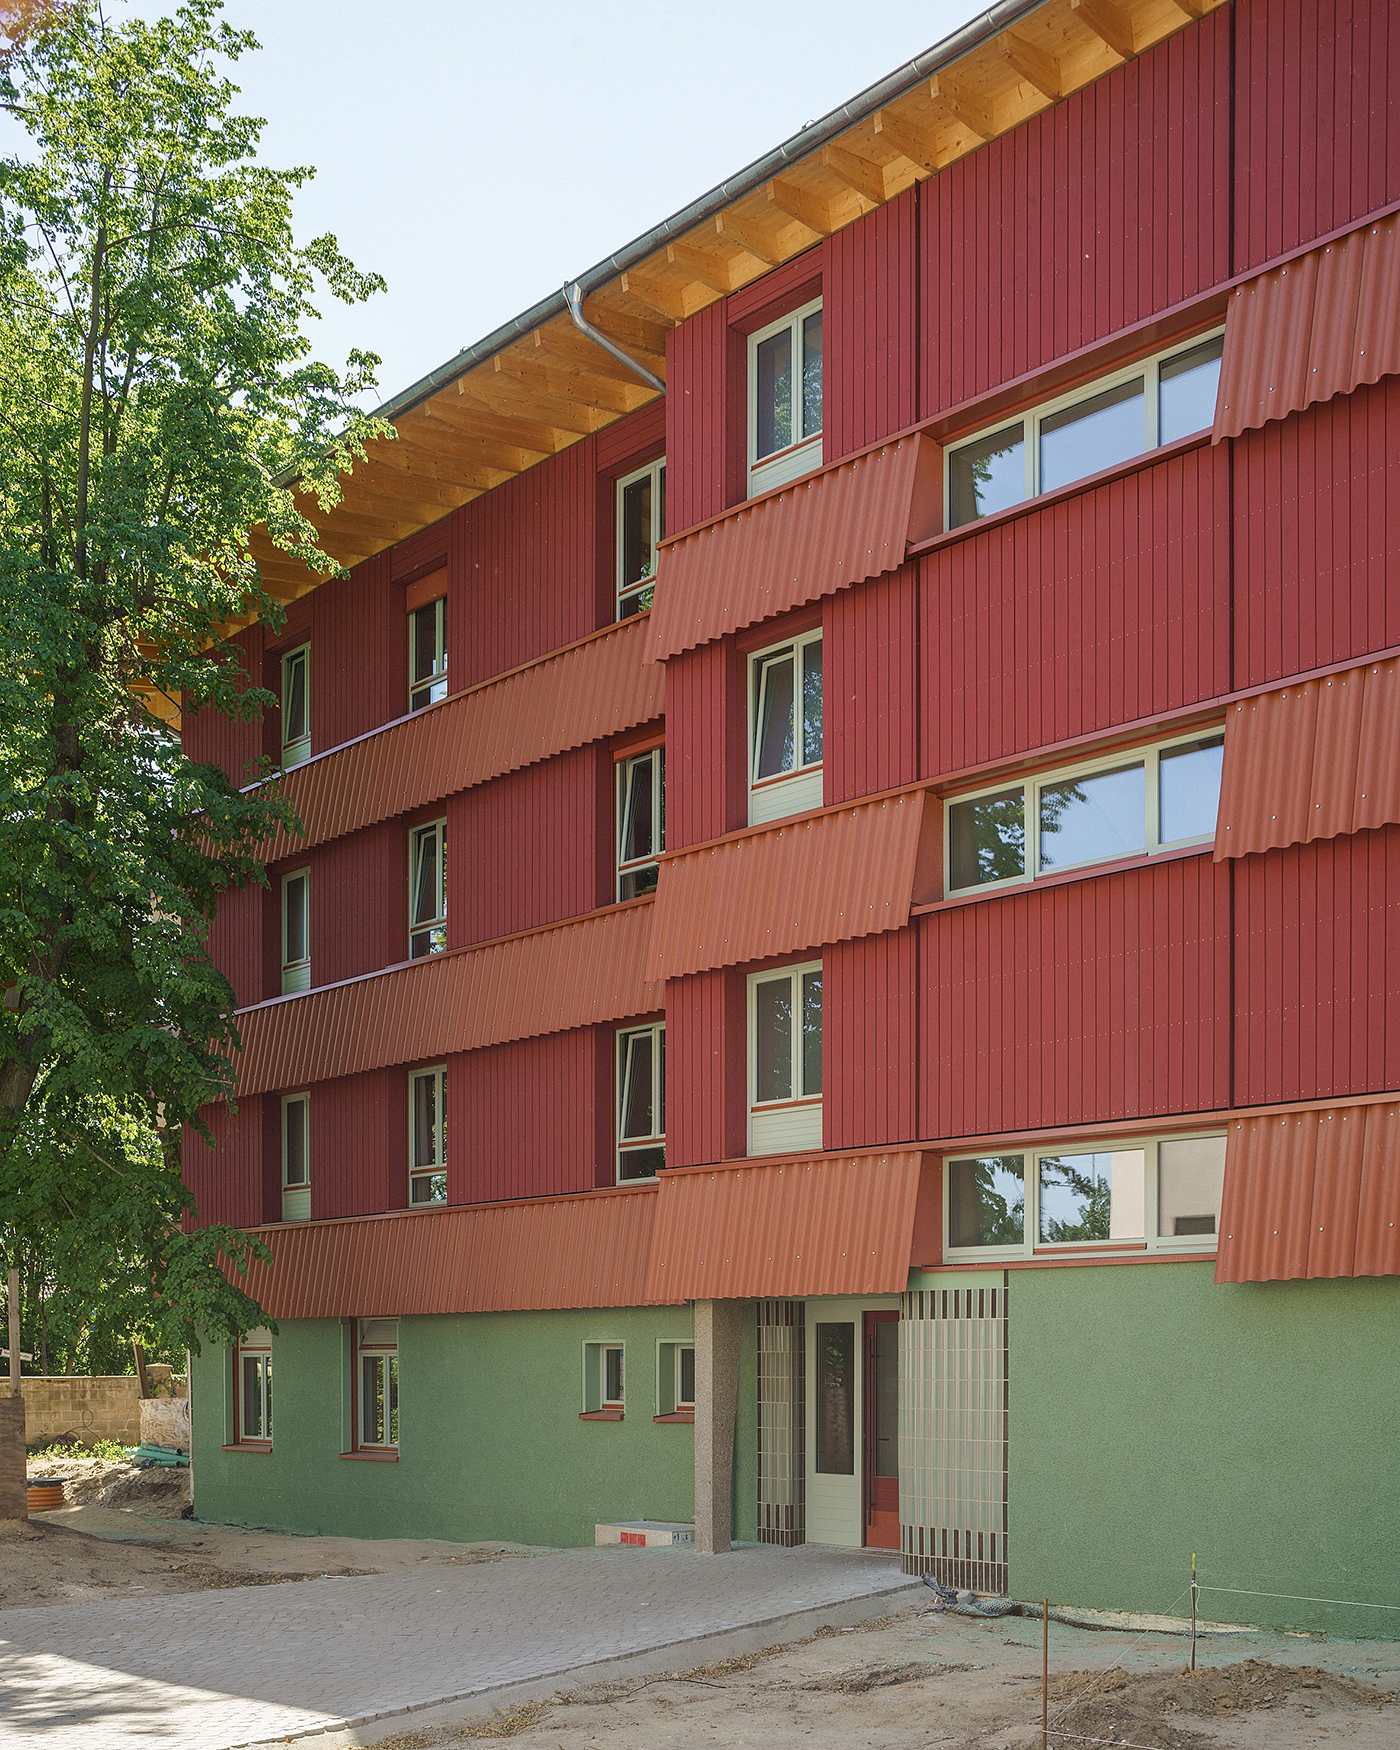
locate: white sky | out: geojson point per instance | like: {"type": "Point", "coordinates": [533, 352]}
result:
{"type": "Point", "coordinates": [477, 156]}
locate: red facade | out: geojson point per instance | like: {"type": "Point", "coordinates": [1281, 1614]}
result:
{"type": "Point", "coordinates": [1134, 604]}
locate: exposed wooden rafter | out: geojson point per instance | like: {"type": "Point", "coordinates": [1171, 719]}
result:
{"type": "Point", "coordinates": [1111, 23]}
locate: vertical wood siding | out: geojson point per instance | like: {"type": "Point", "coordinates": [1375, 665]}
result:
{"type": "Point", "coordinates": [706, 1068]}
{"type": "Point", "coordinates": [212, 740]}
{"type": "Point", "coordinates": [1317, 121]}
{"type": "Point", "coordinates": [532, 1118]}
{"type": "Point", "coordinates": [1317, 536]}
{"type": "Point", "coordinates": [1102, 608]}
{"type": "Point", "coordinates": [706, 735]}
{"type": "Point", "coordinates": [227, 1180]}
{"type": "Point", "coordinates": [522, 568]}
{"type": "Point", "coordinates": [1092, 215]}
{"type": "Point", "coordinates": [359, 1144]}
{"type": "Point", "coordinates": [1100, 999]}
{"type": "Point", "coordinates": [870, 323]}
{"type": "Point", "coordinates": [359, 654]}
{"type": "Point", "coordinates": [236, 943]}
{"type": "Point", "coordinates": [359, 902]}
{"type": "Point", "coordinates": [870, 1041]}
{"type": "Point", "coordinates": [704, 412]}
{"type": "Point", "coordinates": [1317, 969]}
{"type": "Point", "coordinates": [530, 848]}
{"type": "Point", "coordinates": [870, 693]}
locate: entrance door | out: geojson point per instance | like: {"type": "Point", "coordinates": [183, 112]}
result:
{"type": "Point", "coordinates": [881, 1430]}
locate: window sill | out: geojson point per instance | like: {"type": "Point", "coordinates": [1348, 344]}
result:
{"type": "Point", "coordinates": [1076, 1260]}
{"type": "Point", "coordinates": [600, 1415]}
{"type": "Point", "coordinates": [373, 1457]}
{"type": "Point", "coordinates": [676, 1416]}
{"type": "Point", "coordinates": [263, 1446]}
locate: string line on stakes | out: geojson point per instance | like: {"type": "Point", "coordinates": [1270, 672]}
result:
{"type": "Point", "coordinates": [1088, 1688]}
{"type": "Point", "coordinates": [1300, 1598]}
{"type": "Point", "coordinates": [1079, 1738]}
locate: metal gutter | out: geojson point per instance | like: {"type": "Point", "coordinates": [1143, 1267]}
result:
{"type": "Point", "coordinates": [802, 144]}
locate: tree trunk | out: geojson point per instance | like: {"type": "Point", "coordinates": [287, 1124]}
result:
{"type": "Point", "coordinates": [13, 1505]}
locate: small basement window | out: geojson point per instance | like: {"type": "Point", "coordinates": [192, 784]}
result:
{"type": "Point", "coordinates": [641, 523]}
{"type": "Point", "coordinates": [296, 1157]}
{"type": "Point", "coordinates": [377, 1383]}
{"type": "Point", "coordinates": [785, 399]}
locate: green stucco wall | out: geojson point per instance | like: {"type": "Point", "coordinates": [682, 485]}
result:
{"type": "Point", "coordinates": [490, 1441]}
{"type": "Point", "coordinates": [1154, 1413]}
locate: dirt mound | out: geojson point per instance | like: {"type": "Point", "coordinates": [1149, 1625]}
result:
{"type": "Point", "coordinates": [101, 1482]}
{"type": "Point", "coordinates": [1151, 1708]}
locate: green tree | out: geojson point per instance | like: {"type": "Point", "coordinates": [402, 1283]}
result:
{"type": "Point", "coordinates": [157, 397]}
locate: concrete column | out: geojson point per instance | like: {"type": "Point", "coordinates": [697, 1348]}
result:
{"type": "Point", "coordinates": [718, 1324]}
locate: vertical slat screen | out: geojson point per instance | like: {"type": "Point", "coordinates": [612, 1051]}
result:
{"type": "Point", "coordinates": [782, 1456]}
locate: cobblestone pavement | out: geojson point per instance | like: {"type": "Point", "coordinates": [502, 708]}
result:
{"type": "Point", "coordinates": [216, 1670]}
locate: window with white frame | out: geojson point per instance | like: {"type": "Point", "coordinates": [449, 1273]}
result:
{"type": "Point", "coordinates": [427, 1136]}
{"type": "Point", "coordinates": [427, 654]}
{"type": "Point", "coordinates": [1119, 416]}
{"type": "Point", "coordinates": [641, 523]}
{"type": "Point", "coordinates": [675, 1378]}
{"type": "Point", "coordinates": [641, 821]}
{"type": "Point", "coordinates": [253, 1388]}
{"type": "Point", "coordinates": [1159, 1194]}
{"type": "Point", "coordinates": [785, 729]}
{"type": "Point", "coordinates": [427, 889]}
{"type": "Point", "coordinates": [377, 1383]}
{"type": "Point", "coordinates": [641, 1102]}
{"type": "Point", "coordinates": [1128, 804]}
{"type": "Point", "coordinates": [785, 1059]}
{"type": "Point", "coordinates": [296, 932]}
{"type": "Point", "coordinates": [296, 706]}
{"type": "Point", "coordinates": [603, 1379]}
{"type": "Point", "coordinates": [785, 398]}
{"type": "Point", "coordinates": [296, 1157]}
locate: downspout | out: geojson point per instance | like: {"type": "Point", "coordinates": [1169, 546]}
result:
{"type": "Point", "coordinates": [573, 297]}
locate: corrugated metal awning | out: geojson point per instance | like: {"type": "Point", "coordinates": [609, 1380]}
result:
{"type": "Point", "coordinates": [839, 1224]}
{"type": "Point", "coordinates": [1321, 325]}
{"type": "Point", "coordinates": [849, 522]}
{"type": "Point", "coordinates": [1312, 1194]}
{"type": "Point", "coordinates": [595, 688]}
{"type": "Point", "coordinates": [588, 1250]}
{"type": "Point", "coordinates": [1311, 761]}
{"type": "Point", "coordinates": [574, 974]}
{"type": "Point", "coordinates": [783, 888]}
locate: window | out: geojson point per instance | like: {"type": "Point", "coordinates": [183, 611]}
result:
{"type": "Point", "coordinates": [641, 522]}
{"type": "Point", "coordinates": [377, 1383]}
{"type": "Point", "coordinates": [604, 1378]}
{"type": "Point", "coordinates": [785, 398]}
{"type": "Point", "coordinates": [1124, 805]}
{"type": "Point", "coordinates": [427, 890]}
{"type": "Point", "coordinates": [296, 932]}
{"type": "Point", "coordinates": [785, 1059]}
{"type": "Point", "coordinates": [1158, 1195]}
{"type": "Point", "coordinates": [427, 654]}
{"type": "Point", "coordinates": [641, 1102]}
{"type": "Point", "coordinates": [427, 1136]}
{"type": "Point", "coordinates": [675, 1380]}
{"type": "Point", "coordinates": [253, 1389]}
{"type": "Point", "coordinates": [641, 821]}
{"type": "Point", "coordinates": [836, 1400]}
{"type": "Point", "coordinates": [296, 1157]}
{"type": "Point", "coordinates": [1124, 415]}
{"type": "Point", "coordinates": [296, 706]}
{"type": "Point", "coordinates": [785, 736]}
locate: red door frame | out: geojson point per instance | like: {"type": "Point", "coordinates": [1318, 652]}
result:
{"type": "Point", "coordinates": [880, 1495]}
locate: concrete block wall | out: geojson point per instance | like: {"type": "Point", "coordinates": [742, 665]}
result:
{"type": "Point", "coordinates": [89, 1406]}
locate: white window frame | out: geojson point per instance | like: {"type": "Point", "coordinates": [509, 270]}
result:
{"type": "Point", "coordinates": [801, 788]}
{"type": "Point", "coordinates": [1032, 1246]}
{"type": "Point", "coordinates": [439, 1167]}
{"type": "Point", "coordinates": [297, 749]}
{"type": "Point", "coordinates": [435, 684]}
{"type": "Point", "coordinates": [386, 1355]}
{"type": "Point", "coordinates": [437, 925]}
{"type": "Point", "coordinates": [669, 1401]}
{"type": "Point", "coordinates": [257, 1345]}
{"type": "Point", "coordinates": [624, 764]}
{"type": "Point", "coordinates": [627, 592]}
{"type": "Point", "coordinates": [657, 1030]}
{"type": "Point", "coordinates": [804, 454]}
{"type": "Point", "coordinates": [296, 974]}
{"type": "Point", "coordinates": [1149, 369]}
{"type": "Point", "coordinates": [595, 1377]}
{"type": "Point", "coordinates": [296, 1199]}
{"type": "Point", "coordinates": [1148, 754]}
{"type": "Point", "coordinates": [795, 1123]}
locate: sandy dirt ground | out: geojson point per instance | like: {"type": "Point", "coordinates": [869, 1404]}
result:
{"type": "Point", "coordinates": [124, 1536]}
{"type": "Point", "coordinates": [912, 1680]}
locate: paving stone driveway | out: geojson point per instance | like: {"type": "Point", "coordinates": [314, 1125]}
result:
{"type": "Point", "coordinates": [215, 1670]}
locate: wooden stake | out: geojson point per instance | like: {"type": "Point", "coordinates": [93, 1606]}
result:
{"type": "Point", "coordinates": [1045, 1676]}
{"type": "Point", "coordinates": [12, 1293]}
{"type": "Point", "coordinates": [1194, 1590]}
